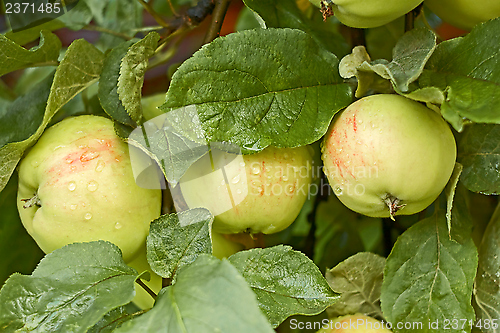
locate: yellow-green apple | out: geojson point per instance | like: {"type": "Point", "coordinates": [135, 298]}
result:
{"type": "Point", "coordinates": [76, 185]}
{"type": "Point", "coordinates": [465, 14]}
{"type": "Point", "coordinates": [367, 14]}
{"type": "Point", "coordinates": [386, 155]}
{"type": "Point", "coordinates": [142, 298]}
{"type": "Point", "coordinates": [262, 192]}
{"type": "Point", "coordinates": [223, 247]}
{"type": "Point", "coordinates": [357, 323]}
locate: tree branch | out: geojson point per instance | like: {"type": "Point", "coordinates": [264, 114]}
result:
{"type": "Point", "coordinates": [217, 20]}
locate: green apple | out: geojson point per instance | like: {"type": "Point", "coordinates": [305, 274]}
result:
{"type": "Point", "coordinates": [223, 247]}
{"type": "Point", "coordinates": [368, 14]}
{"type": "Point", "coordinates": [76, 185]}
{"type": "Point", "coordinates": [386, 155]}
{"type": "Point", "coordinates": [263, 192]}
{"type": "Point", "coordinates": [357, 323]}
{"type": "Point", "coordinates": [465, 14]}
{"type": "Point", "coordinates": [142, 298]}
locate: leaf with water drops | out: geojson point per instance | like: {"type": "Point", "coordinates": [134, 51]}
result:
{"type": "Point", "coordinates": [70, 291]}
{"type": "Point", "coordinates": [285, 281]}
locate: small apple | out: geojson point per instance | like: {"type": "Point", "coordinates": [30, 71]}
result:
{"type": "Point", "coordinates": [357, 323]}
{"type": "Point", "coordinates": [76, 185]}
{"type": "Point", "coordinates": [223, 247]}
{"type": "Point", "coordinates": [464, 14]}
{"type": "Point", "coordinates": [367, 14]}
{"type": "Point", "coordinates": [263, 192]}
{"type": "Point", "coordinates": [142, 298]}
{"type": "Point", "coordinates": [386, 155]}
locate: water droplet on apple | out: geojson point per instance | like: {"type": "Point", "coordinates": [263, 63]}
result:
{"type": "Point", "coordinates": [286, 156]}
{"type": "Point", "coordinates": [338, 190]}
{"type": "Point", "coordinates": [100, 165]}
{"type": "Point", "coordinates": [69, 160]}
{"type": "Point", "coordinates": [285, 178]}
{"type": "Point", "coordinates": [360, 121]}
{"type": "Point", "coordinates": [222, 182]}
{"type": "Point", "coordinates": [87, 216]}
{"type": "Point", "coordinates": [92, 186]}
{"type": "Point", "coordinates": [34, 163]}
{"type": "Point", "coordinates": [72, 186]}
{"type": "Point", "coordinates": [238, 191]}
{"type": "Point", "coordinates": [118, 225]}
{"type": "Point", "coordinates": [88, 156]}
{"type": "Point", "coordinates": [73, 207]}
{"type": "Point", "coordinates": [235, 179]}
{"type": "Point", "coordinates": [242, 164]}
{"type": "Point", "coordinates": [255, 170]}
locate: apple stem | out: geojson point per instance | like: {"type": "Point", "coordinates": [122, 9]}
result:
{"type": "Point", "coordinates": [394, 205]}
{"type": "Point", "coordinates": [34, 201]}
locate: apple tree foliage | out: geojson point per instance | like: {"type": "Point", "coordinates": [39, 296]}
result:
{"type": "Point", "coordinates": [276, 80]}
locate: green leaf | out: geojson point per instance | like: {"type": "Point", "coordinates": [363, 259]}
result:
{"type": "Point", "coordinates": [487, 286]}
{"type": "Point", "coordinates": [80, 67]}
{"type": "Point", "coordinates": [132, 69]}
{"type": "Point", "coordinates": [175, 140]}
{"type": "Point", "coordinates": [14, 57]}
{"type": "Point", "coordinates": [479, 153]}
{"type": "Point", "coordinates": [176, 240]}
{"type": "Point", "coordinates": [467, 69]}
{"type": "Point", "coordinates": [458, 216]}
{"type": "Point", "coordinates": [69, 291]}
{"type": "Point", "coordinates": [409, 57]}
{"type": "Point", "coordinates": [209, 296]}
{"type": "Point", "coordinates": [275, 96]}
{"type": "Point", "coordinates": [337, 236]}
{"type": "Point", "coordinates": [26, 36]}
{"type": "Point", "coordinates": [429, 277]}
{"type": "Point", "coordinates": [108, 85]}
{"type": "Point", "coordinates": [358, 280]}
{"type": "Point", "coordinates": [285, 281]}
{"type": "Point", "coordinates": [19, 251]}
{"type": "Point", "coordinates": [121, 16]}
{"type": "Point", "coordinates": [286, 14]}
{"type": "Point", "coordinates": [111, 321]}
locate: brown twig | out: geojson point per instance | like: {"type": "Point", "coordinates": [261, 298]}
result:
{"type": "Point", "coordinates": [153, 13]}
{"type": "Point", "coordinates": [357, 37]}
{"type": "Point", "coordinates": [410, 18]}
{"type": "Point", "coordinates": [107, 31]}
{"type": "Point", "coordinates": [218, 15]}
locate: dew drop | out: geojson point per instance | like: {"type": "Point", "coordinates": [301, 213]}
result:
{"type": "Point", "coordinates": [338, 190]}
{"type": "Point", "coordinates": [235, 179]}
{"type": "Point", "coordinates": [87, 216]}
{"type": "Point", "coordinates": [100, 165]}
{"type": "Point", "coordinates": [286, 156]}
{"type": "Point", "coordinates": [92, 186]}
{"type": "Point", "coordinates": [242, 164]}
{"type": "Point", "coordinates": [88, 156]}
{"type": "Point", "coordinates": [73, 207]}
{"type": "Point", "coordinates": [72, 186]}
{"type": "Point", "coordinates": [360, 121]}
{"type": "Point", "coordinates": [285, 178]}
{"type": "Point", "coordinates": [118, 225]}
{"type": "Point", "coordinates": [255, 170]}
{"type": "Point", "coordinates": [238, 191]}
{"type": "Point", "coordinates": [222, 182]}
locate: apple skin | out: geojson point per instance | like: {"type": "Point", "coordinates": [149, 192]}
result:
{"type": "Point", "coordinates": [268, 189]}
{"type": "Point", "coordinates": [357, 323]}
{"type": "Point", "coordinates": [81, 172]}
{"type": "Point", "coordinates": [223, 247]}
{"type": "Point", "coordinates": [142, 298]}
{"type": "Point", "coordinates": [464, 14]}
{"type": "Point", "coordinates": [369, 14]}
{"type": "Point", "coordinates": [387, 146]}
